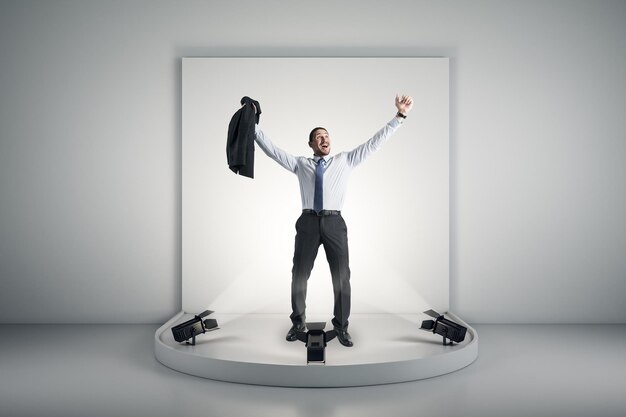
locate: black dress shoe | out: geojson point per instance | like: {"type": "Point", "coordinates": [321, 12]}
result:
{"type": "Point", "coordinates": [292, 334]}
{"type": "Point", "coordinates": [344, 337]}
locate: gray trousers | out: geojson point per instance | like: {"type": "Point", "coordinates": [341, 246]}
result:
{"type": "Point", "coordinates": [311, 232]}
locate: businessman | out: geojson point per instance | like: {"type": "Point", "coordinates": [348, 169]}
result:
{"type": "Point", "coordinates": [323, 181]}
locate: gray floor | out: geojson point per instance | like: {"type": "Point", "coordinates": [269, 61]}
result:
{"type": "Point", "coordinates": [110, 370]}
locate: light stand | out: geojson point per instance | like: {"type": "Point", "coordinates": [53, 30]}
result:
{"type": "Point", "coordinates": [444, 327]}
{"type": "Point", "coordinates": [316, 339]}
{"type": "Point", "coordinates": [189, 329]}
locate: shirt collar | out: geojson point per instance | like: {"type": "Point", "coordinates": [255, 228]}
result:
{"type": "Point", "coordinates": [327, 158]}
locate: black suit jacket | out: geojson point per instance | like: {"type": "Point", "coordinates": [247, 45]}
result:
{"type": "Point", "coordinates": [240, 142]}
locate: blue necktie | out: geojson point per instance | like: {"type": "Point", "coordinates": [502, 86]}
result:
{"type": "Point", "coordinates": [318, 199]}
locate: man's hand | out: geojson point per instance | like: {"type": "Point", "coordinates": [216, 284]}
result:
{"type": "Point", "coordinates": [253, 107]}
{"type": "Point", "coordinates": [404, 104]}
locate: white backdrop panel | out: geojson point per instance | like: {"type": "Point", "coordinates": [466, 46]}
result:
{"type": "Point", "coordinates": [238, 232]}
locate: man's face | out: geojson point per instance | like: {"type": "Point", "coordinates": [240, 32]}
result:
{"type": "Point", "coordinates": [320, 143]}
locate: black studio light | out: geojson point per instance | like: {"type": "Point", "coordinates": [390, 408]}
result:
{"type": "Point", "coordinates": [315, 339]}
{"type": "Point", "coordinates": [444, 327]}
{"type": "Point", "coordinates": [191, 328]}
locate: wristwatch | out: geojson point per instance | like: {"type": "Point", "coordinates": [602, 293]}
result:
{"type": "Point", "coordinates": [401, 115]}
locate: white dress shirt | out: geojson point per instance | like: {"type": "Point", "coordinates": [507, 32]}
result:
{"type": "Point", "coordinates": [338, 167]}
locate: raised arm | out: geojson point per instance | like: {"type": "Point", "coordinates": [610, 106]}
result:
{"type": "Point", "coordinates": [285, 159]}
{"type": "Point", "coordinates": [404, 104]}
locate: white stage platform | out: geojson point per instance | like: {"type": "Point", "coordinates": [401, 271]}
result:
{"type": "Point", "coordinates": [252, 349]}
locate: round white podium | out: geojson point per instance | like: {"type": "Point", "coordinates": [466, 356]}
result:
{"type": "Point", "coordinates": [252, 349]}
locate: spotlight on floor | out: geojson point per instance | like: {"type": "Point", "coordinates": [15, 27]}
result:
{"type": "Point", "coordinates": [191, 328]}
{"type": "Point", "coordinates": [444, 327]}
{"type": "Point", "coordinates": [315, 339]}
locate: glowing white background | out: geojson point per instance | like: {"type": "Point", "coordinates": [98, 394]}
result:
{"type": "Point", "coordinates": [237, 242]}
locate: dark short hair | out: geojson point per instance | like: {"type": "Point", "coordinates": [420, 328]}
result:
{"type": "Point", "coordinates": [312, 134]}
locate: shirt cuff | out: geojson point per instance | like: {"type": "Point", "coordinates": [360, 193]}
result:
{"type": "Point", "coordinates": [395, 122]}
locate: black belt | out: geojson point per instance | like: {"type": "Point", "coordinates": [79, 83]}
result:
{"type": "Point", "coordinates": [322, 213]}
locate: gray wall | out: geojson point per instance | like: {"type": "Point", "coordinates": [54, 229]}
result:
{"type": "Point", "coordinates": [90, 155]}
